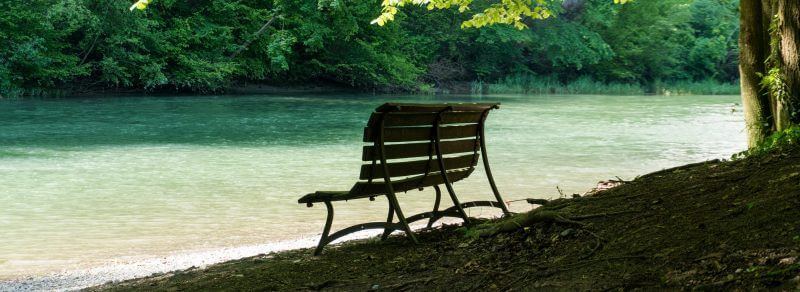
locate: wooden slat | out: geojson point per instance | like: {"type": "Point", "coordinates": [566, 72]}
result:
{"type": "Point", "coordinates": [436, 107]}
{"type": "Point", "coordinates": [422, 133]}
{"type": "Point", "coordinates": [403, 119]}
{"type": "Point", "coordinates": [417, 167]}
{"type": "Point", "coordinates": [365, 189]}
{"type": "Point", "coordinates": [396, 151]}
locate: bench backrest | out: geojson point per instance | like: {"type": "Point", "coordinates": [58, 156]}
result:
{"type": "Point", "coordinates": [404, 135]}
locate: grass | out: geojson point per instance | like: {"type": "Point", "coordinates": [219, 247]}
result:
{"type": "Point", "coordinates": [533, 84]}
{"type": "Point", "coordinates": [706, 87]}
{"type": "Point", "coordinates": [17, 93]}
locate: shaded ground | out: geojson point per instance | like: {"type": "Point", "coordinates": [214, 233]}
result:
{"type": "Point", "coordinates": [715, 225]}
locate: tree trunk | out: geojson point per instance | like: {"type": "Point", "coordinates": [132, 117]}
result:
{"type": "Point", "coordinates": [754, 49]}
{"type": "Point", "coordinates": [788, 12]}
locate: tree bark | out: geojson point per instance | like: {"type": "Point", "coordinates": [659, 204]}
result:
{"type": "Point", "coordinates": [754, 49]}
{"type": "Point", "coordinates": [788, 12]}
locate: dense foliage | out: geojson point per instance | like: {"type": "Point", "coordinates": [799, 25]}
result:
{"type": "Point", "coordinates": [775, 143]}
{"type": "Point", "coordinates": [209, 45]}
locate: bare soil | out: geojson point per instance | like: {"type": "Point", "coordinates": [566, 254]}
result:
{"type": "Point", "coordinates": [729, 225]}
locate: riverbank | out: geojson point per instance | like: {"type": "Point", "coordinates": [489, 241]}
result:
{"type": "Point", "coordinates": [532, 84]}
{"type": "Point", "coordinates": [121, 269]}
{"type": "Point", "coordinates": [715, 225]}
{"type": "Point", "coordinates": [237, 89]}
{"type": "Point", "coordinates": [525, 85]}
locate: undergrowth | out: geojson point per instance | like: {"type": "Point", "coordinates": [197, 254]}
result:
{"type": "Point", "coordinates": [534, 84]}
{"type": "Point", "coordinates": [780, 140]}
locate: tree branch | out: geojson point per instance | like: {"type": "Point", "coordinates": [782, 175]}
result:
{"type": "Point", "coordinates": [254, 37]}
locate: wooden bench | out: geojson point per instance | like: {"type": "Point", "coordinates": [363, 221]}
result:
{"type": "Point", "coordinates": [435, 143]}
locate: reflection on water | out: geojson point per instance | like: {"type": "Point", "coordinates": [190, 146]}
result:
{"type": "Point", "coordinates": [85, 181]}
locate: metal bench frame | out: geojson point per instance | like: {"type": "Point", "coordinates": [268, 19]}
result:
{"type": "Point", "coordinates": [457, 210]}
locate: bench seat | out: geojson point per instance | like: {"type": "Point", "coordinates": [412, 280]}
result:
{"type": "Point", "coordinates": [378, 188]}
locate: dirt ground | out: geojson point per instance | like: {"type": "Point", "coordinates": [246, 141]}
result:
{"type": "Point", "coordinates": [714, 226]}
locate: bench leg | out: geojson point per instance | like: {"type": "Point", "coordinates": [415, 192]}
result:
{"type": "Point", "coordinates": [488, 170]}
{"type": "Point", "coordinates": [323, 240]}
{"type": "Point", "coordinates": [499, 199]}
{"type": "Point", "coordinates": [435, 212]}
{"type": "Point", "coordinates": [456, 203]}
{"type": "Point", "coordinates": [400, 217]}
{"type": "Point", "coordinates": [389, 220]}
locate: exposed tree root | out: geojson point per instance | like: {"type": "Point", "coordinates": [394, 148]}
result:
{"type": "Point", "coordinates": [524, 220]}
{"type": "Point", "coordinates": [537, 216]}
{"type": "Point", "coordinates": [529, 219]}
{"type": "Point", "coordinates": [537, 201]}
{"type": "Point", "coordinates": [589, 216]}
{"type": "Point", "coordinates": [598, 244]}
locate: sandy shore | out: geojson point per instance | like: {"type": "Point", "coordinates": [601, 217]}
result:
{"type": "Point", "coordinates": [116, 271]}
{"type": "Point", "coordinates": [119, 271]}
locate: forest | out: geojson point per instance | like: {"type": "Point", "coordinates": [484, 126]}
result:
{"type": "Point", "coordinates": [208, 46]}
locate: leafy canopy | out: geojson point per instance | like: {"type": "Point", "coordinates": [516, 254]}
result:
{"type": "Point", "coordinates": [511, 12]}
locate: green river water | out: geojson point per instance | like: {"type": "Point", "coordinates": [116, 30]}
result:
{"type": "Point", "coordinates": [88, 181]}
